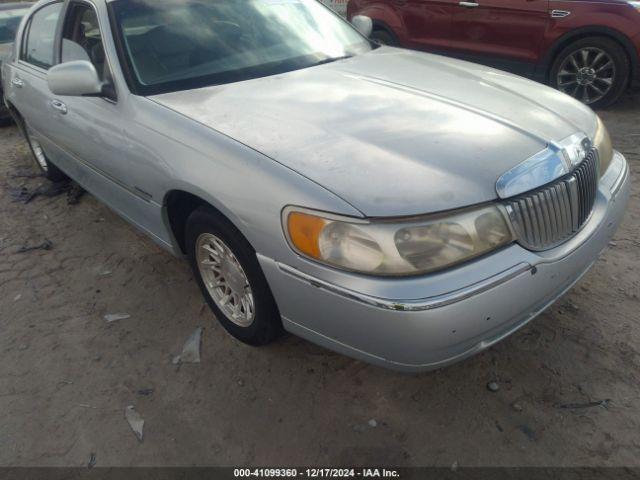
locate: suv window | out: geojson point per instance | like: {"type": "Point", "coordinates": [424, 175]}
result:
{"type": "Point", "coordinates": [41, 36]}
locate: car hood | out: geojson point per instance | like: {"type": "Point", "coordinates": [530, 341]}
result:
{"type": "Point", "coordinates": [392, 132]}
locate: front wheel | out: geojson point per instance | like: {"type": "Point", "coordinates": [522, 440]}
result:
{"type": "Point", "coordinates": [49, 170]}
{"type": "Point", "coordinates": [593, 70]}
{"type": "Point", "coordinates": [230, 278]}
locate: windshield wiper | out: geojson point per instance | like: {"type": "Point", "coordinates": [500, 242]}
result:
{"type": "Point", "coordinates": [331, 60]}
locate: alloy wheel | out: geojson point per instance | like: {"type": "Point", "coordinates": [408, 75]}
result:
{"type": "Point", "coordinates": [587, 74]}
{"type": "Point", "coordinates": [38, 152]}
{"type": "Point", "coordinates": [225, 279]}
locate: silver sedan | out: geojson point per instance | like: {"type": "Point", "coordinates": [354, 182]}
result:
{"type": "Point", "coordinates": [399, 207]}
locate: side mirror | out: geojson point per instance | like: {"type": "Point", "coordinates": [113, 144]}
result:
{"type": "Point", "coordinates": [75, 79]}
{"type": "Point", "coordinates": [363, 24]}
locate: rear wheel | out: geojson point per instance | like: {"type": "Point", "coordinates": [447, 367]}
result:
{"type": "Point", "coordinates": [230, 278]}
{"type": "Point", "coordinates": [594, 70]}
{"type": "Point", "coordinates": [49, 170]}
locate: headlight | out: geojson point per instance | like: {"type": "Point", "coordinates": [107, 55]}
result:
{"type": "Point", "coordinates": [396, 248]}
{"type": "Point", "coordinates": [602, 142]}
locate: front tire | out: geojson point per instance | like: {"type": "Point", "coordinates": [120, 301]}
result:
{"type": "Point", "coordinates": [48, 169]}
{"type": "Point", "coordinates": [230, 278]}
{"type": "Point", "coordinates": [594, 70]}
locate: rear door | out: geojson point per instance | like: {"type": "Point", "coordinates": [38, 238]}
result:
{"type": "Point", "coordinates": [28, 90]}
{"type": "Point", "coordinates": [505, 34]}
{"type": "Point", "coordinates": [427, 23]}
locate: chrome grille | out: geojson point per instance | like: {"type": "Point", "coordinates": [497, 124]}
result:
{"type": "Point", "coordinates": [546, 217]}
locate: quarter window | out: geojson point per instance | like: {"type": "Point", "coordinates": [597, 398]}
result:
{"type": "Point", "coordinates": [40, 38]}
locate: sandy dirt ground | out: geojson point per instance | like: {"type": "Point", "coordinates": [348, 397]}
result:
{"type": "Point", "coordinates": [66, 375]}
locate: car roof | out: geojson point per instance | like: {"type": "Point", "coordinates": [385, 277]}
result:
{"type": "Point", "coordinates": [12, 5]}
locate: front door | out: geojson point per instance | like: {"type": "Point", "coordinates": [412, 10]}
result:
{"type": "Point", "coordinates": [427, 23]}
{"type": "Point", "coordinates": [506, 34]}
{"type": "Point", "coordinates": [95, 135]}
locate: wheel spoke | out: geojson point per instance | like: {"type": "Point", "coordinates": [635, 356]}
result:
{"type": "Point", "coordinates": [573, 61]}
{"type": "Point", "coordinates": [584, 53]}
{"type": "Point", "coordinates": [607, 65]}
{"type": "Point", "coordinates": [212, 251]}
{"type": "Point", "coordinates": [597, 90]}
{"type": "Point", "coordinates": [607, 81]}
{"type": "Point", "coordinates": [597, 58]}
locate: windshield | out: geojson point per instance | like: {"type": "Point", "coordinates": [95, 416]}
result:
{"type": "Point", "coordinates": [9, 22]}
{"type": "Point", "coordinates": [173, 45]}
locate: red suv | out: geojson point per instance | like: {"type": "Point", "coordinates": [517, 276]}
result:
{"type": "Point", "coordinates": [588, 49]}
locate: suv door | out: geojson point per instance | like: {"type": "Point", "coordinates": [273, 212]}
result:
{"type": "Point", "coordinates": [427, 23]}
{"type": "Point", "coordinates": [506, 34]}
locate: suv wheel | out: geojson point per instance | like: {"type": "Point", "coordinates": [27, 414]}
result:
{"type": "Point", "coordinates": [230, 278]}
{"type": "Point", "coordinates": [593, 70]}
{"type": "Point", "coordinates": [49, 170]}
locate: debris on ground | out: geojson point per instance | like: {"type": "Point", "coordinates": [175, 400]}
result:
{"type": "Point", "coordinates": [46, 245]}
{"type": "Point", "coordinates": [493, 386]}
{"type": "Point", "coordinates": [114, 317]}
{"type": "Point", "coordinates": [575, 406]}
{"type": "Point", "coordinates": [106, 273]}
{"type": "Point", "coordinates": [528, 431]}
{"type": "Point", "coordinates": [17, 297]}
{"type": "Point", "coordinates": [613, 244]}
{"type": "Point", "coordinates": [373, 423]}
{"type": "Point", "coordinates": [135, 420]}
{"type": "Point", "coordinates": [145, 392]}
{"type": "Point", "coordinates": [73, 190]}
{"type": "Point", "coordinates": [92, 461]}
{"type": "Point", "coordinates": [74, 193]}
{"type": "Point", "coordinates": [26, 173]}
{"type": "Point", "coordinates": [191, 349]}
{"type": "Point", "coordinates": [517, 406]}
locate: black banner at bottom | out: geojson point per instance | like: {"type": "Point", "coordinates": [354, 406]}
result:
{"type": "Point", "coordinates": [232, 473]}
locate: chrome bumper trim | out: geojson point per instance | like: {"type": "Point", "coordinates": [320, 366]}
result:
{"type": "Point", "coordinates": [617, 185]}
{"type": "Point", "coordinates": [417, 305]}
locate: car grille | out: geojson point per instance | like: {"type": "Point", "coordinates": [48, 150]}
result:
{"type": "Point", "coordinates": [546, 217]}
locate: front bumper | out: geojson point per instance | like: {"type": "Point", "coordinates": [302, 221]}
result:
{"type": "Point", "coordinates": [457, 313]}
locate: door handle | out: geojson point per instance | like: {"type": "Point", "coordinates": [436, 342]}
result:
{"type": "Point", "coordinates": [469, 4]}
{"type": "Point", "coordinates": [17, 82]}
{"type": "Point", "coordinates": [58, 105]}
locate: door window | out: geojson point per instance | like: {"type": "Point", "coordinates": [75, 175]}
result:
{"type": "Point", "coordinates": [41, 34]}
{"type": "Point", "coordinates": [82, 40]}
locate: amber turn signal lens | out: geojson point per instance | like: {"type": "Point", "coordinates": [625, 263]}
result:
{"type": "Point", "coordinates": [304, 231]}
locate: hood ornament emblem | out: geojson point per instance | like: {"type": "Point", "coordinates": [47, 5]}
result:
{"type": "Point", "coordinates": [556, 160]}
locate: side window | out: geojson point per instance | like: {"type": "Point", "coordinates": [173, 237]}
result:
{"type": "Point", "coordinates": [40, 37]}
{"type": "Point", "coordinates": [82, 40]}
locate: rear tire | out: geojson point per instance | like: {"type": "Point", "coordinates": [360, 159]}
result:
{"type": "Point", "coordinates": [594, 70]}
{"type": "Point", "coordinates": [230, 278]}
{"type": "Point", "coordinates": [48, 169]}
